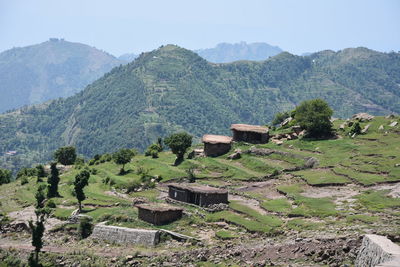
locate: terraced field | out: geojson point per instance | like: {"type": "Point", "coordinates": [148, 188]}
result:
{"type": "Point", "coordinates": [354, 189]}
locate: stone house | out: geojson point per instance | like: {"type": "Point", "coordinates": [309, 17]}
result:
{"type": "Point", "coordinates": [216, 145]}
{"type": "Point", "coordinates": [197, 194]}
{"type": "Point", "coordinates": [159, 214]}
{"type": "Point", "coordinates": [254, 134]}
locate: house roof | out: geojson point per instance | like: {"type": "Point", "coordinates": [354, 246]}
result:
{"type": "Point", "coordinates": [249, 128]}
{"type": "Point", "coordinates": [196, 188]}
{"type": "Point", "coordinates": [216, 139]}
{"type": "Point", "coordinates": [157, 207]}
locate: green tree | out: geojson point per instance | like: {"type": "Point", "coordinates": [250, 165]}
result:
{"type": "Point", "coordinates": [37, 228]}
{"type": "Point", "coordinates": [153, 150]}
{"type": "Point", "coordinates": [53, 180]}
{"type": "Point", "coordinates": [314, 116]}
{"type": "Point", "coordinates": [85, 227]}
{"type": "Point", "coordinates": [356, 128]}
{"type": "Point", "coordinates": [81, 180]}
{"type": "Point", "coordinates": [65, 155]}
{"type": "Point", "coordinates": [5, 176]}
{"type": "Point", "coordinates": [40, 172]}
{"type": "Point", "coordinates": [179, 143]}
{"type": "Point", "coordinates": [123, 156]}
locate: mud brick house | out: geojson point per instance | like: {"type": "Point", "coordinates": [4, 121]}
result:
{"type": "Point", "coordinates": [197, 194]}
{"type": "Point", "coordinates": [254, 134]}
{"type": "Point", "coordinates": [216, 145]}
{"type": "Point", "coordinates": [159, 214]}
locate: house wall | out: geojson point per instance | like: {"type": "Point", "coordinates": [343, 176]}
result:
{"type": "Point", "coordinates": [178, 194]}
{"type": "Point", "coordinates": [159, 217]}
{"type": "Point", "coordinates": [209, 199]}
{"type": "Point", "coordinates": [250, 137]}
{"type": "Point", "coordinates": [214, 150]}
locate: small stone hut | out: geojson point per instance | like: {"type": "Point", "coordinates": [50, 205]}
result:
{"type": "Point", "coordinates": [254, 134]}
{"type": "Point", "coordinates": [197, 194]}
{"type": "Point", "coordinates": [216, 145]}
{"type": "Point", "coordinates": [159, 214]}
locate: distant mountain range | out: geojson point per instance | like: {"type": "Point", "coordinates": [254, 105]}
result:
{"type": "Point", "coordinates": [57, 68]}
{"type": "Point", "coordinates": [225, 53]}
{"type": "Point", "coordinates": [172, 89]}
{"type": "Point", "coordinates": [49, 70]}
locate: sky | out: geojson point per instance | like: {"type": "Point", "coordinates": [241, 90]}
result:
{"type": "Point", "coordinates": [131, 26]}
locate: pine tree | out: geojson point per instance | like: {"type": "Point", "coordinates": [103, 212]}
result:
{"type": "Point", "coordinates": [53, 181]}
{"type": "Point", "coordinates": [81, 180]}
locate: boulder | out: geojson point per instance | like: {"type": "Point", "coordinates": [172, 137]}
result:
{"type": "Point", "coordinates": [377, 250]}
{"type": "Point", "coordinates": [362, 117]}
{"type": "Point", "coordinates": [393, 124]}
{"type": "Point", "coordinates": [363, 131]}
{"type": "Point", "coordinates": [342, 126]}
{"type": "Point", "coordinates": [296, 129]}
{"type": "Point", "coordinates": [380, 128]}
{"type": "Point", "coordinates": [286, 121]}
{"type": "Point", "coordinates": [235, 155]}
{"type": "Point", "coordinates": [390, 116]}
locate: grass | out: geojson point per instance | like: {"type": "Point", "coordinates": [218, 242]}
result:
{"type": "Point", "coordinates": [253, 163]}
{"type": "Point", "coordinates": [300, 224]}
{"type": "Point", "coordinates": [363, 178]}
{"type": "Point", "coordinates": [322, 177]}
{"type": "Point", "coordinates": [279, 205]}
{"type": "Point", "coordinates": [361, 218]}
{"type": "Point", "coordinates": [230, 217]}
{"type": "Point", "coordinates": [313, 207]}
{"type": "Point", "coordinates": [377, 200]}
{"type": "Point", "coordinates": [290, 190]}
{"type": "Point", "coordinates": [269, 220]}
{"type": "Point", "coordinates": [222, 234]}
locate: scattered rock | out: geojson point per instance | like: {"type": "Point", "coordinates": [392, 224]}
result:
{"type": "Point", "coordinates": [363, 131]}
{"type": "Point", "coordinates": [361, 117]}
{"type": "Point", "coordinates": [390, 116]}
{"type": "Point", "coordinates": [380, 128]}
{"type": "Point", "coordinates": [235, 155]}
{"type": "Point", "coordinates": [286, 121]}
{"type": "Point", "coordinates": [342, 126]}
{"type": "Point", "coordinates": [296, 129]}
{"type": "Point", "coordinates": [393, 124]}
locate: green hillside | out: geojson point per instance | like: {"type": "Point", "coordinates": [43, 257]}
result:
{"type": "Point", "coordinates": [172, 88]}
{"type": "Point", "coordinates": [49, 70]}
{"type": "Point", "coordinates": [350, 192]}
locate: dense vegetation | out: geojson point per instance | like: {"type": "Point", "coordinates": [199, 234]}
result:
{"type": "Point", "coordinates": [172, 89]}
{"type": "Point", "coordinates": [49, 70]}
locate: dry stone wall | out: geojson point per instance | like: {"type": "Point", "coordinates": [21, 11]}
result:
{"type": "Point", "coordinates": [378, 251]}
{"type": "Point", "coordinates": [125, 235]}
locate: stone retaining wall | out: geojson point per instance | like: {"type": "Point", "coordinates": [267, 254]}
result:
{"type": "Point", "coordinates": [125, 235]}
{"type": "Point", "coordinates": [378, 251]}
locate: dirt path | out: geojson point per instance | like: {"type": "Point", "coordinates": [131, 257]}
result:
{"type": "Point", "coordinates": [27, 214]}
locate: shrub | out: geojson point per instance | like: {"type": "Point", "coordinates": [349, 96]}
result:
{"type": "Point", "coordinates": [65, 155]}
{"type": "Point", "coordinates": [50, 204]}
{"type": "Point", "coordinates": [85, 227]}
{"type": "Point", "coordinates": [5, 176]}
{"type": "Point", "coordinates": [24, 180]}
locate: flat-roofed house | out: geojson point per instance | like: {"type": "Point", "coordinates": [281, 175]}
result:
{"type": "Point", "coordinates": [159, 214]}
{"type": "Point", "coordinates": [216, 145]}
{"type": "Point", "coordinates": [254, 134]}
{"type": "Point", "coordinates": [197, 194]}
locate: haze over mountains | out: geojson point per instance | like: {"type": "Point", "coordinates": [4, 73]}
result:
{"type": "Point", "coordinates": [49, 70]}
{"type": "Point", "coordinates": [172, 89]}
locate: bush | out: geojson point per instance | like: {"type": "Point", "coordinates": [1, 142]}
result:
{"type": "Point", "coordinates": [356, 128]}
{"type": "Point", "coordinates": [85, 227]}
{"type": "Point", "coordinates": [5, 176]}
{"type": "Point", "coordinates": [65, 155]}
{"type": "Point", "coordinates": [24, 180]}
{"type": "Point", "coordinates": [50, 204]}
{"type": "Point", "coordinates": [314, 116]}
{"type": "Point", "coordinates": [132, 186]}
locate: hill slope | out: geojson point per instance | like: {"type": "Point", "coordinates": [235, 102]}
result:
{"type": "Point", "coordinates": [172, 88]}
{"type": "Point", "coordinates": [49, 70]}
{"type": "Point", "coordinates": [225, 52]}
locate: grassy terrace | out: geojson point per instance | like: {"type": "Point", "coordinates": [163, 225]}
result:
{"type": "Point", "coordinates": [363, 161]}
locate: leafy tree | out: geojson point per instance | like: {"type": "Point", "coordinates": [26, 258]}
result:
{"type": "Point", "coordinates": [53, 180]}
{"type": "Point", "coordinates": [153, 150]}
{"type": "Point", "coordinates": [191, 174]}
{"type": "Point", "coordinates": [314, 116]}
{"type": "Point", "coordinates": [38, 228]}
{"type": "Point", "coordinates": [26, 172]}
{"type": "Point", "coordinates": [5, 176]}
{"type": "Point", "coordinates": [65, 155]}
{"type": "Point", "coordinates": [160, 144]}
{"type": "Point", "coordinates": [179, 143]}
{"type": "Point", "coordinates": [81, 180]}
{"type": "Point", "coordinates": [40, 172]}
{"type": "Point", "coordinates": [123, 156]}
{"type": "Point", "coordinates": [85, 227]}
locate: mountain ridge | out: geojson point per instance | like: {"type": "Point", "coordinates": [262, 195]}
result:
{"type": "Point", "coordinates": [172, 89]}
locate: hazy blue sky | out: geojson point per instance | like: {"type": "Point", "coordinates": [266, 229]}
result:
{"type": "Point", "coordinates": [118, 26]}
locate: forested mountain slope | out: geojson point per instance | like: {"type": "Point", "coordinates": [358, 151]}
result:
{"type": "Point", "coordinates": [171, 89]}
{"type": "Point", "coordinates": [56, 68]}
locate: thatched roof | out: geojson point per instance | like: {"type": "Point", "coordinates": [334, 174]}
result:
{"type": "Point", "coordinates": [216, 139]}
{"type": "Point", "coordinates": [249, 128]}
{"type": "Point", "coordinates": [157, 207]}
{"type": "Point", "coordinates": [196, 188]}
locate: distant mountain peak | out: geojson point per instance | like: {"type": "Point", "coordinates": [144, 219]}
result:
{"type": "Point", "coordinates": [227, 52]}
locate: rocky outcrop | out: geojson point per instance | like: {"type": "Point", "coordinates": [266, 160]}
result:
{"type": "Point", "coordinates": [125, 235]}
{"type": "Point", "coordinates": [362, 117]}
{"type": "Point", "coordinates": [377, 251]}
